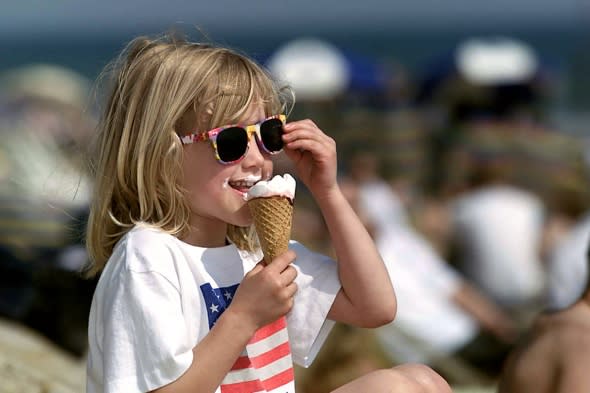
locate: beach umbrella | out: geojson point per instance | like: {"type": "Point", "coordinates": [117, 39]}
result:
{"type": "Point", "coordinates": [495, 61]}
{"type": "Point", "coordinates": [315, 69]}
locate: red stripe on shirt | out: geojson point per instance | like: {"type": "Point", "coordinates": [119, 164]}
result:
{"type": "Point", "coordinates": [242, 363]}
{"type": "Point", "coordinates": [269, 384]}
{"type": "Point", "coordinates": [274, 354]}
{"type": "Point", "coordinates": [279, 380]}
{"type": "Point", "coordinates": [264, 359]}
{"type": "Point", "coordinates": [269, 330]}
{"type": "Point", "coordinates": [243, 387]}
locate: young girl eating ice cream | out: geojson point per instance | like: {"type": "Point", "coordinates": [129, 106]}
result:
{"type": "Point", "coordinates": [184, 303]}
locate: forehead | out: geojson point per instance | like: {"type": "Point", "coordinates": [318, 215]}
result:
{"type": "Point", "coordinates": [253, 114]}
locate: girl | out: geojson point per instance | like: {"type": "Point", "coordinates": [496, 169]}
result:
{"type": "Point", "coordinates": [182, 303]}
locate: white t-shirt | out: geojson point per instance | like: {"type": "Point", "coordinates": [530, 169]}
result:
{"type": "Point", "coordinates": [428, 321]}
{"type": "Point", "coordinates": [499, 230]}
{"type": "Point", "coordinates": [381, 205]}
{"type": "Point", "coordinates": [158, 297]}
{"type": "Point", "coordinates": [567, 267]}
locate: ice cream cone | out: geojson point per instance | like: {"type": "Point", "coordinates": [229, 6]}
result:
{"type": "Point", "coordinates": [273, 217]}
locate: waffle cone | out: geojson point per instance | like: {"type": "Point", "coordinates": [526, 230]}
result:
{"type": "Point", "coordinates": [273, 217]}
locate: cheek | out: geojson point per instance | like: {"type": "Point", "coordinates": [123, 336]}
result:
{"type": "Point", "coordinates": [198, 167]}
{"type": "Point", "coordinates": [195, 181]}
{"type": "Point", "coordinates": [203, 187]}
{"type": "Point", "coordinates": [267, 169]}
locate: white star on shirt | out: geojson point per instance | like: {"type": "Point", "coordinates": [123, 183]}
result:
{"type": "Point", "coordinates": [214, 308]}
{"type": "Point", "coordinates": [227, 295]}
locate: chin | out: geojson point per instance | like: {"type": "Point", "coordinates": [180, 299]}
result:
{"type": "Point", "coordinates": [242, 217]}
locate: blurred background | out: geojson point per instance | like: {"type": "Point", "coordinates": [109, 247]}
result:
{"type": "Point", "coordinates": [463, 140]}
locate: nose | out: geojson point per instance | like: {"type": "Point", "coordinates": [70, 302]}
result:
{"type": "Point", "coordinates": [254, 157]}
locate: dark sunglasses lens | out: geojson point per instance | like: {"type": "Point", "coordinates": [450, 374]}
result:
{"type": "Point", "coordinates": [271, 132]}
{"type": "Point", "coordinates": [232, 144]}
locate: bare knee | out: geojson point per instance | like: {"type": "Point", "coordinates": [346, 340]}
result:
{"type": "Point", "coordinates": [424, 379]}
{"type": "Point", "coordinates": [407, 378]}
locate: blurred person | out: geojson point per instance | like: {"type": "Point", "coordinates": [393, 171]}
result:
{"type": "Point", "coordinates": [376, 199]}
{"type": "Point", "coordinates": [439, 312]}
{"type": "Point", "coordinates": [513, 188]}
{"type": "Point", "coordinates": [497, 230]}
{"type": "Point", "coordinates": [45, 129]}
{"type": "Point", "coordinates": [431, 216]}
{"type": "Point", "coordinates": [554, 355]}
{"type": "Point", "coordinates": [567, 267]}
{"type": "Point", "coordinates": [184, 301]}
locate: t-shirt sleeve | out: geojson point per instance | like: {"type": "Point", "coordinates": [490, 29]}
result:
{"type": "Point", "coordinates": [145, 344]}
{"type": "Point", "coordinates": [318, 285]}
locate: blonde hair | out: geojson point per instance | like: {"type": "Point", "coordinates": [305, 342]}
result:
{"type": "Point", "coordinates": [162, 88]}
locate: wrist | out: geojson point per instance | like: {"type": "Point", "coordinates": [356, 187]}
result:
{"type": "Point", "coordinates": [328, 195]}
{"type": "Point", "coordinates": [239, 323]}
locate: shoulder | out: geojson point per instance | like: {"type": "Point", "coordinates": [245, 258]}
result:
{"type": "Point", "coordinates": [551, 336]}
{"type": "Point", "coordinates": [145, 260]}
{"type": "Point", "coordinates": [557, 343]}
{"type": "Point", "coordinates": [530, 365]}
{"type": "Point", "coordinates": [145, 249]}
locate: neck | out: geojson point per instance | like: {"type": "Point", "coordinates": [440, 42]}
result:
{"type": "Point", "coordinates": [210, 234]}
{"type": "Point", "coordinates": [585, 298]}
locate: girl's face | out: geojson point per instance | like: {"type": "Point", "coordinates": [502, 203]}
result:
{"type": "Point", "coordinates": [217, 191]}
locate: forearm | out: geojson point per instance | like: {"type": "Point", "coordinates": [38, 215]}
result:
{"type": "Point", "coordinates": [364, 278]}
{"type": "Point", "coordinates": [213, 357]}
{"type": "Point", "coordinates": [488, 315]}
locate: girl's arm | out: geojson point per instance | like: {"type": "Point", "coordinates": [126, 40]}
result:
{"type": "Point", "coordinates": [367, 298]}
{"type": "Point", "coordinates": [265, 294]}
{"type": "Point", "coordinates": [213, 357]}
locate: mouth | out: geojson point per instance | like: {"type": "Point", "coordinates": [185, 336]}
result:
{"type": "Point", "coordinates": [243, 185]}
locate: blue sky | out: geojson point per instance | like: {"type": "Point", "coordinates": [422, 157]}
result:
{"type": "Point", "coordinates": [222, 16]}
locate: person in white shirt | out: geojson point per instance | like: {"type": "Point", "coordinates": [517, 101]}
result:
{"type": "Point", "coordinates": [376, 198]}
{"type": "Point", "coordinates": [440, 313]}
{"type": "Point", "coordinates": [567, 268]}
{"type": "Point", "coordinates": [497, 232]}
{"type": "Point", "coordinates": [184, 302]}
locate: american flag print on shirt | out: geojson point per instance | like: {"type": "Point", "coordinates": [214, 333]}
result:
{"type": "Point", "coordinates": [265, 365]}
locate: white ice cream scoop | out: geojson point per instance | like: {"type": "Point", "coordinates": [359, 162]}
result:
{"type": "Point", "coordinates": [277, 186]}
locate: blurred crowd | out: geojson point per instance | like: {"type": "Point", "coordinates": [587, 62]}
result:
{"type": "Point", "coordinates": [479, 204]}
{"type": "Point", "coordinates": [45, 129]}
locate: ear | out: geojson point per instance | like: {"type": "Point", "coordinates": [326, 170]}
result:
{"type": "Point", "coordinates": [204, 116]}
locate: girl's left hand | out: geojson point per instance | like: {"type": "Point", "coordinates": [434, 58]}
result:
{"type": "Point", "coordinates": [314, 155]}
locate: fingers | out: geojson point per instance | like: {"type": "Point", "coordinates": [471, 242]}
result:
{"type": "Point", "coordinates": [288, 275]}
{"type": "Point", "coordinates": [305, 134]}
{"type": "Point", "coordinates": [281, 262]}
{"type": "Point", "coordinates": [256, 269]}
{"type": "Point", "coordinates": [282, 267]}
{"type": "Point", "coordinates": [291, 290]}
{"type": "Point", "coordinates": [310, 145]}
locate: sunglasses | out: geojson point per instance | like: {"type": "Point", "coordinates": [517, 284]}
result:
{"type": "Point", "coordinates": [230, 143]}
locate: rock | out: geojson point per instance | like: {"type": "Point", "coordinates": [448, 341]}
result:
{"type": "Point", "coordinates": [29, 363]}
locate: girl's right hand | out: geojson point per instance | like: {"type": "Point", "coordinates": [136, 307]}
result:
{"type": "Point", "coordinates": [266, 293]}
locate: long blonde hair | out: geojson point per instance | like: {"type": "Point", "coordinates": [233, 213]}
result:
{"type": "Point", "coordinates": [160, 89]}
